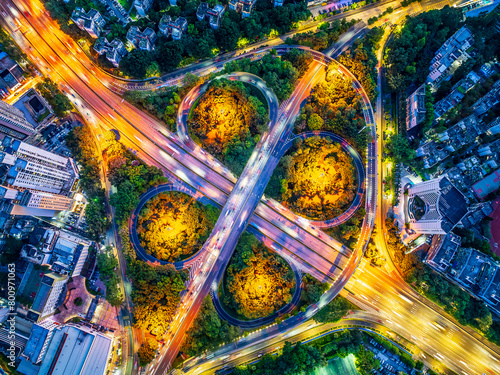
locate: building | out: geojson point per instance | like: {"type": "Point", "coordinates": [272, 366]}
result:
{"type": "Point", "coordinates": [38, 341]}
{"type": "Point", "coordinates": [38, 169]}
{"type": "Point", "coordinates": [442, 251]}
{"type": "Point", "coordinates": [178, 28]}
{"type": "Point", "coordinates": [456, 95]}
{"type": "Point", "coordinates": [242, 6]}
{"type": "Point", "coordinates": [450, 56]}
{"type": "Point", "coordinates": [64, 252]}
{"type": "Point", "coordinates": [488, 101]}
{"type": "Point", "coordinates": [453, 139]}
{"type": "Point", "coordinates": [92, 22]}
{"type": "Point", "coordinates": [487, 185]}
{"type": "Point", "coordinates": [143, 6]}
{"type": "Point", "coordinates": [13, 123]}
{"type": "Point", "coordinates": [38, 203]}
{"type": "Point", "coordinates": [11, 74]}
{"type": "Point", "coordinates": [70, 350]}
{"type": "Point", "coordinates": [278, 3]}
{"type": "Point", "coordinates": [473, 270]}
{"type": "Point", "coordinates": [44, 291]}
{"type": "Point", "coordinates": [415, 108]}
{"type": "Point", "coordinates": [114, 51]}
{"type": "Point", "coordinates": [434, 207]}
{"type": "Point", "coordinates": [213, 15]}
{"type": "Point", "coordinates": [164, 25]}
{"type": "Point", "coordinates": [144, 40]}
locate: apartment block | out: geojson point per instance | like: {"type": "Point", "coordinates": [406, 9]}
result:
{"type": "Point", "coordinates": [242, 6]}
{"type": "Point", "coordinates": [143, 6]}
{"type": "Point", "coordinates": [114, 51]}
{"type": "Point", "coordinates": [37, 169]}
{"type": "Point", "coordinates": [144, 40]}
{"type": "Point", "coordinates": [92, 22]}
{"type": "Point", "coordinates": [456, 95]}
{"type": "Point", "coordinates": [13, 123]}
{"type": "Point", "coordinates": [178, 28]}
{"type": "Point", "coordinates": [450, 56]}
{"type": "Point", "coordinates": [213, 15]}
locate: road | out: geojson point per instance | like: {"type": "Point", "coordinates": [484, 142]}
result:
{"type": "Point", "coordinates": [304, 332]}
{"type": "Point", "coordinates": [56, 60]}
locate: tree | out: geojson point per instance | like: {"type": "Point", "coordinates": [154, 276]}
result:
{"type": "Point", "coordinates": [366, 361]}
{"type": "Point", "coordinates": [208, 331]}
{"type": "Point", "coordinates": [147, 351]}
{"type": "Point", "coordinates": [136, 63]}
{"type": "Point", "coordinates": [334, 311]}
{"type": "Point", "coordinates": [58, 101]}
{"type": "Point", "coordinates": [124, 200]}
{"type": "Point", "coordinates": [315, 122]}
{"type": "Point", "coordinates": [257, 281]}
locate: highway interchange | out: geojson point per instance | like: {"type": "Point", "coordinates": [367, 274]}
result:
{"type": "Point", "coordinates": [381, 291]}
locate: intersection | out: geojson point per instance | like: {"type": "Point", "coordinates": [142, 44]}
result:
{"type": "Point", "coordinates": [157, 146]}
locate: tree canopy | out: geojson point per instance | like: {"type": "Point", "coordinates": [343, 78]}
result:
{"type": "Point", "coordinates": [173, 226]}
{"type": "Point", "coordinates": [293, 360]}
{"type": "Point", "coordinates": [80, 141]}
{"type": "Point", "coordinates": [257, 282]}
{"type": "Point", "coordinates": [335, 106]}
{"type": "Point", "coordinates": [227, 121]}
{"type": "Point", "coordinates": [208, 331]}
{"type": "Point", "coordinates": [320, 180]}
{"type": "Point", "coordinates": [155, 294]}
{"type": "Point", "coordinates": [58, 101]}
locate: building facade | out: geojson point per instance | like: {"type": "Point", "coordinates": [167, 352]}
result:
{"type": "Point", "coordinates": [143, 6]}
{"type": "Point", "coordinates": [13, 123]}
{"type": "Point", "coordinates": [144, 40]}
{"type": "Point", "coordinates": [38, 169]}
{"type": "Point", "coordinates": [242, 6]}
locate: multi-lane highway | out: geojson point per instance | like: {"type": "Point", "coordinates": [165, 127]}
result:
{"type": "Point", "coordinates": [154, 143]}
{"type": "Point", "coordinates": [65, 64]}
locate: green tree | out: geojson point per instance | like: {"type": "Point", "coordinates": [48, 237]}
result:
{"type": "Point", "coordinates": [147, 351]}
{"type": "Point", "coordinates": [334, 311]}
{"type": "Point", "coordinates": [208, 331]}
{"type": "Point", "coordinates": [124, 200]}
{"type": "Point", "coordinates": [136, 63]}
{"type": "Point", "coordinates": [315, 122]}
{"type": "Point", "coordinates": [58, 101]}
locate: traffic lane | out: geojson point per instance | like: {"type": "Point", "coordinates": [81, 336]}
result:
{"type": "Point", "coordinates": [391, 304]}
{"type": "Point", "coordinates": [144, 140]}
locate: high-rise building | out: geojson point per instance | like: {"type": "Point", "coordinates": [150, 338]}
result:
{"type": "Point", "coordinates": [13, 123]}
{"type": "Point", "coordinates": [39, 169]}
{"type": "Point", "coordinates": [434, 206]}
{"type": "Point", "coordinates": [39, 203]}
